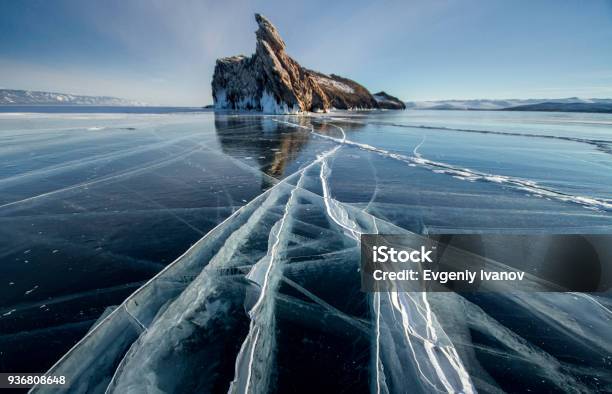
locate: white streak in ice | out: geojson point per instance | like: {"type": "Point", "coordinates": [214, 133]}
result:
{"type": "Point", "coordinates": [430, 339]}
{"type": "Point", "coordinates": [470, 175]}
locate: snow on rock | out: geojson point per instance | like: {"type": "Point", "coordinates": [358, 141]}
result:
{"type": "Point", "coordinates": [269, 104]}
{"type": "Point", "coordinates": [273, 82]}
{"type": "Point", "coordinates": [333, 84]}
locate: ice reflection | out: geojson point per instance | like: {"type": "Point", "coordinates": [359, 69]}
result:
{"type": "Point", "coordinates": [272, 145]}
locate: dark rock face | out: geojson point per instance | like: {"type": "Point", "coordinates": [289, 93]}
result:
{"type": "Point", "coordinates": [344, 93]}
{"type": "Point", "coordinates": [271, 81]}
{"type": "Point", "coordinates": [386, 101]}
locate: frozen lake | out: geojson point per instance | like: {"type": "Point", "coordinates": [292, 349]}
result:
{"type": "Point", "coordinates": [92, 206]}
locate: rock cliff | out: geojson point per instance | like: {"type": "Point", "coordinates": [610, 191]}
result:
{"type": "Point", "coordinates": [272, 82]}
{"type": "Point", "coordinates": [387, 101]}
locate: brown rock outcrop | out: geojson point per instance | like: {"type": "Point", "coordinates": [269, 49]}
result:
{"type": "Point", "coordinates": [271, 81]}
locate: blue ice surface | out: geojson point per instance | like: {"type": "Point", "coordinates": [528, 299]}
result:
{"type": "Point", "coordinates": [92, 205]}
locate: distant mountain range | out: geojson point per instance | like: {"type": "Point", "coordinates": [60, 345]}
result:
{"type": "Point", "coordinates": [601, 107]}
{"type": "Point", "coordinates": [571, 104]}
{"type": "Point", "coordinates": [29, 97]}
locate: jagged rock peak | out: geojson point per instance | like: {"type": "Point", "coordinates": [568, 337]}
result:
{"type": "Point", "coordinates": [271, 81]}
{"type": "Point", "coordinates": [267, 32]}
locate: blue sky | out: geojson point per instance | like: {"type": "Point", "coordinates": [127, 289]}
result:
{"type": "Point", "coordinates": [163, 52]}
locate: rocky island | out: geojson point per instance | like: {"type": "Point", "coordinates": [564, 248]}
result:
{"type": "Point", "coordinates": [271, 81]}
